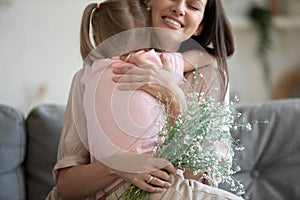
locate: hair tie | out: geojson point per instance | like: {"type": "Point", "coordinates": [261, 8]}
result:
{"type": "Point", "coordinates": [98, 5]}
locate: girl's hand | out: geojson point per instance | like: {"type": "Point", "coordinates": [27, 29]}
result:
{"type": "Point", "coordinates": [159, 82]}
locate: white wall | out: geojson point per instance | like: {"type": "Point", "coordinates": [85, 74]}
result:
{"type": "Point", "coordinates": [39, 48]}
{"type": "Point", "coordinates": [246, 73]}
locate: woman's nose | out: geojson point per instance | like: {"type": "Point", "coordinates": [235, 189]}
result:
{"type": "Point", "coordinates": [179, 8]}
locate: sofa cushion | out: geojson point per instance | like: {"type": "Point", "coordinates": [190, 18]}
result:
{"type": "Point", "coordinates": [12, 152]}
{"type": "Point", "coordinates": [43, 124]}
{"type": "Point", "coordinates": [271, 160]}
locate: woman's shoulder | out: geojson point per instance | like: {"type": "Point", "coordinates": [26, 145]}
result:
{"type": "Point", "coordinates": [199, 57]}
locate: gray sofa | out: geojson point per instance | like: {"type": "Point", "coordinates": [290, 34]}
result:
{"type": "Point", "coordinates": [28, 149]}
{"type": "Point", "coordinates": [270, 162]}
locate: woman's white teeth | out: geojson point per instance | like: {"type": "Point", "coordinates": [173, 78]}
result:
{"type": "Point", "coordinates": [171, 21]}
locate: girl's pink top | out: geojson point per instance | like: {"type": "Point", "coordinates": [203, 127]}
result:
{"type": "Point", "coordinates": [121, 121]}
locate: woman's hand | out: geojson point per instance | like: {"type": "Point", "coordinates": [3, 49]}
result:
{"type": "Point", "coordinates": [144, 171]}
{"type": "Point", "coordinates": [90, 178]}
{"type": "Point", "coordinates": [189, 174]}
{"type": "Point", "coordinates": [159, 82]}
{"type": "Point", "coordinates": [153, 181]}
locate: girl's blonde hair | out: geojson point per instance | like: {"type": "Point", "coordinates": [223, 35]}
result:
{"type": "Point", "coordinates": [110, 18]}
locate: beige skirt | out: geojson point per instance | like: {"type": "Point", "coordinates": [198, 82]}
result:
{"type": "Point", "coordinates": [183, 189]}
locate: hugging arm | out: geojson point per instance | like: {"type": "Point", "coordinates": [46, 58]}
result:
{"type": "Point", "coordinates": [160, 82]}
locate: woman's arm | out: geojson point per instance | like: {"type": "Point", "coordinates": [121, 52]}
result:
{"type": "Point", "coordinates": [160, 82]}
{"type": "Point", "coordinates": [76, 179]}
{"type": "Point", "coordinates": [198, 58]}
{"type": "Point", "coordinates": [81, 181]}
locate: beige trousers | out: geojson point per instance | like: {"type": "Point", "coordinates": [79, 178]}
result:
{"type": "Point", "coordinates": [183, 189]}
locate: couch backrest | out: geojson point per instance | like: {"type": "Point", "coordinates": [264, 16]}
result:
{"type": "Point", "coordinates": [43, 125]}
{"type": "Point", "coordinates": [271, 160]}
{"type": "Point", "coordinates": [12, 153]}
{"type": "Point", "coordinates": [28, 150]}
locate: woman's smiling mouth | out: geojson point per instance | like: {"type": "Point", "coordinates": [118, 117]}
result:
{"type": "Point", "coordinates": [172, 22]}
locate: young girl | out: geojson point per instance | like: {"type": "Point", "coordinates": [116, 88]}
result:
{"type": "Point", "coordinates": [72, 151]}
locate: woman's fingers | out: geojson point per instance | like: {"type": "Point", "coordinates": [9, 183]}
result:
{"type": "Point", "coordinates": [159, 182]}
{"type": "Point", "coordinates": [166, 62]}
{"type": "Point", "coordinates": [141, 70]}
{"type": "Point", "coordinates": [152, 179]}
{"type": "Point", "coordinates": [170, 168]}
{"type": "Point", "coordinates": [150, 188]}
{"type": "Point", "coordinates": [162, 175]}
{"type": "Point", "coordinates": [132, 86]}
{"type": "Point", "coordinates": [126, 70]}
{"type": "Point", "coordinates": [128, 78]}
{"type": "Point", "coordinates": [147, 182]}
{"type": "Point", "coordinates": [140, 180]}
{"type": "Point", "coordinates": [134, 58]}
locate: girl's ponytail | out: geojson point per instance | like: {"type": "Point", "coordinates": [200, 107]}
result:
{"type": "Point", "coordinates": [86, 45]}
{"type": "Point", "coordinates": [112, 17]}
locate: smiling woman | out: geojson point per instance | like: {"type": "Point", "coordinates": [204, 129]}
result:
{"type": "Point", "coordinates": [184, 16]}
{"type": "Point", "coordinates": [79, 173]}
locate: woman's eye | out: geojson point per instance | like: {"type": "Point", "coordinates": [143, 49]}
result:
{"type": "Point", "coordinates": [195, 7]}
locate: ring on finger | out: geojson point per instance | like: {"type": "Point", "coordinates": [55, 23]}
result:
{"type": "Point", "coordinates": [149, 179]}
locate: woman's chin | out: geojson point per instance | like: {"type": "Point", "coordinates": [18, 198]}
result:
{"type": "Point", "coordinates": [169, 39]}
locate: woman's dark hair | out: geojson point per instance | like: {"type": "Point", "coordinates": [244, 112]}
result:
{"type": "Point", "coordinates": [216, 36]}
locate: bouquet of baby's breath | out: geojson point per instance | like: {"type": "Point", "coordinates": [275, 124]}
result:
{"type": "Point", "coordinates": [190, 143]}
